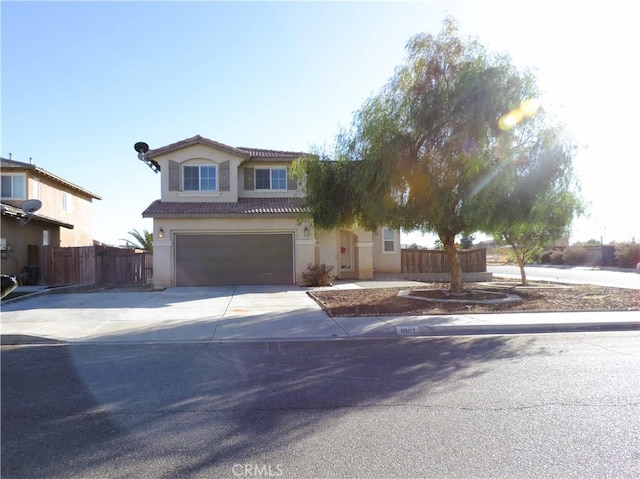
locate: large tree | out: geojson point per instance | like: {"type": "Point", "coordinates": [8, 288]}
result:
{"type": "Point", "coordinates": [425, 152]}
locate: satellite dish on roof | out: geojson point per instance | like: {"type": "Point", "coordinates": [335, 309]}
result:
{"type": "Point", "coordinates": [141, 147]}
{"type": "Point", "coordinates": [29, 207]}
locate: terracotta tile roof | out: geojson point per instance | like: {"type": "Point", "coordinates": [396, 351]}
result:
{"type": "Point", "coordinates": [261, 154]}
{"type": "Point", "coordinates": [244, 207]}
{"type": "Point", "coordinates": [255, 154]}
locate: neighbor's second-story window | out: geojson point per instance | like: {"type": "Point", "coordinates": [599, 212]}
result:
{"type": "Point", "coordinates": [36, 194]}
{"type": "Point", "coordinates": [200, 178]}
{"type": "Point", "coordinates": [13, 186]}
{"type": "Point", "coordinates": [271, 178]}
{"type": "Point", "coordinates": [66, 201]}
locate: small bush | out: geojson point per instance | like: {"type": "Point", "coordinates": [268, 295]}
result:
{"type": "Point", "coordinates": [552, 257]}
{"type": "Point", "coordinates": [318, 275]}
{"type": "Point", "coordinates": [627, 255]}
{"type": "Point", "coordinates": [575, 255]}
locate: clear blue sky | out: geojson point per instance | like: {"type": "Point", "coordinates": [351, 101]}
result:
{"type": "Point", "coordinates": [83, 81]}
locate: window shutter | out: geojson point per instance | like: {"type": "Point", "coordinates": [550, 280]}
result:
{"type": "Point", "coordinates": [225, 182]}
{"type": "Point", "coordinates": [292, 183]}
{"type": "Point", "coordinates": [248, 179]}
{"type": "Point", "coordinates": [174, 176]}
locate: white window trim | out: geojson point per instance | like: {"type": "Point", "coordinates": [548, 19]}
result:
{"type": "Point", "coordinates": [199, 191]}
{"type": "Point", "coordinates": [384, 240]}
{"type": "Point", "coordinates": [37, 189]}
{"type": "Point", "coordinates": [66, 202]}
{"type": "Point", "coordinates": [255, 178]}
{"type": "Point", "coordinates": [24, 186]}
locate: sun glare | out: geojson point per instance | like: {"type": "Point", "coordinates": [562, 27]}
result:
{"type": "Point", "coordinates": [527, 108]}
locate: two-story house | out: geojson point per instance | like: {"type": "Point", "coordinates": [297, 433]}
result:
{"type": "Point", "coordinates": [64, 219]}
{"type": "Point", "coordinates": [232, 215]}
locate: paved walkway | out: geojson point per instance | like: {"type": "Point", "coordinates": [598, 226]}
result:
{"type": "Point", "coordinates": [253, 313]}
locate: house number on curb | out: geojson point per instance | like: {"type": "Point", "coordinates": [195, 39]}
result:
{"type": "Point", "coordinates": [406, 331]}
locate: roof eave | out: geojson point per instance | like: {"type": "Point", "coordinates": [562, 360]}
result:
{"type": "Point", "coordinates": [196, 140]}
{"type": "Point", "coordinates": [19, 213]}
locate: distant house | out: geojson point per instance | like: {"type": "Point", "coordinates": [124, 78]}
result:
{"type": "Point", "coordinates": [231, 215]}
{"type": "Point", "coordinates": [65, 218]}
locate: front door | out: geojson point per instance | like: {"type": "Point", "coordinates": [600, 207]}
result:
{"type": "Point", "coordinates": [347, 256]}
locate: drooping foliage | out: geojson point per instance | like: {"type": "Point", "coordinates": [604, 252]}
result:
{"type": "Point", "coordinates": [430, 151]}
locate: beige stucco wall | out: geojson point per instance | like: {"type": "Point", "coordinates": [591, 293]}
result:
{"type": "Point", "coordinates": [79, 209]}
{"type": "Point", "coordinates": [369, 256]}
{"type": "Point", "coordinates": [199, 154]}
{"type": "Point", "coordinates": [386, 263]}
{"type": "Point", "coordinates": [327, 249]}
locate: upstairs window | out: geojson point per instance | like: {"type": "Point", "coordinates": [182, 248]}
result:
{"type": "Point", "coordinates": [36, 190]}
{"type": "Point", "coordinates": [66, 201]}
{"type": "Point", "coordinates": [13, 187]}
{"type": "Point", "coordinates": [271, 178]}
{"type": "Point", "coordinates": [200, 178]}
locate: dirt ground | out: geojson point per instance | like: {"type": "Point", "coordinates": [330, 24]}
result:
{"type": "Point", "coordinates": [537, 297]}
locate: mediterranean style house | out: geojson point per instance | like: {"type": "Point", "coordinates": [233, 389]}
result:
{"type": "Point", "coordinates": [65, 217]}
{"type": "Point", "coordinates": [233, 215]}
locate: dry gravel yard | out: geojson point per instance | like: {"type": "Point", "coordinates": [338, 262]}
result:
{"type": "Point", "coordinates": [536, 297]}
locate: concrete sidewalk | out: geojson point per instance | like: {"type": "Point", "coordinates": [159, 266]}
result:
{"type": "Point", "coordinates": [238, 313]}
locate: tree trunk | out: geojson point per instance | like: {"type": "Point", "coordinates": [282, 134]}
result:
{"type": "Point", "coordinates": [520, 259]}
{"type": "Point", "coordinates": [457, 284]}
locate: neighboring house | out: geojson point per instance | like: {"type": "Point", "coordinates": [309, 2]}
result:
{"type": "Point", "coordinates": [65, 218]}
{"type": "Point", "coordinates": [234, 216]}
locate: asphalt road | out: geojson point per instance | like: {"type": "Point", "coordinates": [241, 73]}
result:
{"type": "Point", "coordinates": [492, 406]}
{"type": "Point", "coordinates": [615, 279]}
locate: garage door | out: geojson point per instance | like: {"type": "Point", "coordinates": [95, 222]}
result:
{"type": "Point", "coordinates": [203, 260]}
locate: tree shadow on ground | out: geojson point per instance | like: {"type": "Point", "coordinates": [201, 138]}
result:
{"type": "Point", "coordinates": [189, 410]}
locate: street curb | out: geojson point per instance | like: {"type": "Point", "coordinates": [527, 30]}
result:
{"type": "Point", "coordinates": [420, 332]}
{"type": "Point", "coordinates": [534, 328]}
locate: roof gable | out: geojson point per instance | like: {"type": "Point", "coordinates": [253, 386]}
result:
{"type": "Point", "coordinates": [195, 140]}
{"type": "Point", "coordinates": [13, 165]}
{"type": "Point", "coordinates": [253, 154]}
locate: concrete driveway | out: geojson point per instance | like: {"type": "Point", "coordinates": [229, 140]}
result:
{"type": "Point", "coordinates": [254, 313]}
{"type": "Point", "coordinates": [175, 314]}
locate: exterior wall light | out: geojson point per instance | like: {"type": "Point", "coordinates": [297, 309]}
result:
{"type": "Point", "coordinates": [306, 230]}
{"type": "Point", "coordinates": [161, 233]}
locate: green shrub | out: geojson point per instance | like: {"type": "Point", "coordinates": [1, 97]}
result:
{"type": "Point", "coordinates": [627, 255]}
{"type": "Point", "coordinates": [318, 275]}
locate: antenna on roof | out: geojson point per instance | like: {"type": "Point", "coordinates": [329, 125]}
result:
{"type": "Point", "coordinates": [141, 147]}
{"type": "Point", "coordinates": [29, 207]}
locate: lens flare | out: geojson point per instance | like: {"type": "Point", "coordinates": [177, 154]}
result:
{"type": "Point", "coordinates": [527, 108]}
{"type": "Point", "coordinates": [510, 120]}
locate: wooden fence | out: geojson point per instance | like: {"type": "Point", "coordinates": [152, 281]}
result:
{"type": "Point", "coordinates": [436, 261]}
{"type": "Point", "coordinates": [99, 265]}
